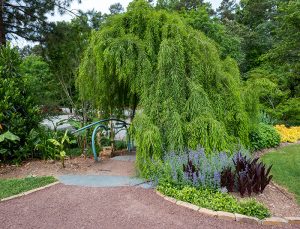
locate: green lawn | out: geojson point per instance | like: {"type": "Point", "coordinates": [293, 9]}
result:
{"type": "Point", "coordinates": [286, 167]}
{"type": "Point", "coordinates": [10, 187]}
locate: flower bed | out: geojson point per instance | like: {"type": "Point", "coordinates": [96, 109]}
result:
{"type": "Point", "coordinates": [205, 180]}
{"type": "Point", "coordinates": [291, 134]}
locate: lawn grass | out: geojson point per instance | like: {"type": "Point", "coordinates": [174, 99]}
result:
{"type": "Point", "coordinates": [10, 187]}
{"type": "Point", "coordinates": [286, 167]}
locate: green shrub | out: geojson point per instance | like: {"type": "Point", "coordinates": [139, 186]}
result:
{"type": "Point", "coordinates": [18, 113]}
{"type": "Point", "coordinates": [215, 200]}
{"type": "Point", "coordinates": [264, 136]}
{"type": "Point", "coordinates": [38, 143]}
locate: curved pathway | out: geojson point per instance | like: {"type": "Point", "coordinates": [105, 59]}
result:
{"type": "Point", "coordinates": [104, 201]}
{"type": "Point", "coordinates": [65, 206]}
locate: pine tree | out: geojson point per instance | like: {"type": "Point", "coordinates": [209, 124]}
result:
{"type": "Point", "coordinates": [27, 18]}
{"type": "Point", "coordinates": [116, 8]}
{"type": "Point", "coordinates": [226, 10]}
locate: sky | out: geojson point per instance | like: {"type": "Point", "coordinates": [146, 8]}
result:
{"type": "Point", "coordinates": [103, 6]}
{"type": "Point", "coordinates": [98, 5]}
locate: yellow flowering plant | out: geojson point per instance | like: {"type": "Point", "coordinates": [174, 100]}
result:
{"type": "Point", "coordinates": [288, 134]}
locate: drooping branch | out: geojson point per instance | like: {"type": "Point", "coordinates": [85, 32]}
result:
{"type": "Point", "coordinates": [182, 85]}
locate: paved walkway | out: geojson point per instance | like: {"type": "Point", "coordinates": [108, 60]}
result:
{"type": "Point", "coordinates": [73, 207]}
{"type": "Point", "coordinates": [103, 181]}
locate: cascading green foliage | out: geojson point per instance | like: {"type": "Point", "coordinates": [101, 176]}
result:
{"type": "Point", "coordinates": [187, 95]}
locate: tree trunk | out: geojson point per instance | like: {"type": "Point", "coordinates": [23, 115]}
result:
{"type": "Point", "coordinates": [112, 137]}
{"type": "Point", "coordinates": [2, 29]}
{"type": "Point", "coordinates": [134, 106]}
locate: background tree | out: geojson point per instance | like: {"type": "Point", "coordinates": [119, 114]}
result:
{"type": "Point", "coordinates": [226, 40]}
{"type": "Point", "coordinates": [39, 81]}
{"type": "Point", "coordinates": [226, 11]}
{"type": "Point", "coordinates": [258, 18]}
{"type": "Point", "coordinates": [116, 8]}
{"type": "Point", "coordinates": [186, 5]}
{"type": "Point", "coordinates": [200, 16]}
{"type": "Point", "coordinates": [63, 49]}
{"type": "Point", "coordinates": [283, 59]}
{"type": "Point", "coordinates": [27, 18]}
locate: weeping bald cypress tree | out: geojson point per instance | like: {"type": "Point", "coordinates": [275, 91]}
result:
{"type": "Point", "coordinates": [188, 96]}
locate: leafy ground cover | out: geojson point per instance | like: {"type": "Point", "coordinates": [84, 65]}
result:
{"type": "Point", "coordinates": [10, 187]}
{"type": "Point", "coordinates": [286, 167]}
{"type": "Point", "coordinates": [215, 200]}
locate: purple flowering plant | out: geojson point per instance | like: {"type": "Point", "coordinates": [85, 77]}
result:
{"type": "Point", "coordinates": [194, 168]}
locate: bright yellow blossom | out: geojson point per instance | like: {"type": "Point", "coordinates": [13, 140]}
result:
{"type": "Point", "coordinates": [291, 134]}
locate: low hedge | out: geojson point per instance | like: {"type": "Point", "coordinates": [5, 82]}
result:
{"type": "Point", "coordinates": [215, 200]}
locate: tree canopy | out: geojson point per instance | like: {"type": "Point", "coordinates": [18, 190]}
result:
{"type": "Point", "coordinates": [27, 18]}
{"type": "Point", "coordinates": [187, 95]}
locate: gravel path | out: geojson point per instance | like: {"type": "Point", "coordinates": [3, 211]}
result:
{"type": "Point", "coordinates": [62, 206]}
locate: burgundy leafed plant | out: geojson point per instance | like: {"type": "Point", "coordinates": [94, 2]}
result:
{"type": "Point", "coordinates": [227, 179]}
{"type": "Point", "coordinates": [190, 169]}
{"type": "Point", "coordinates": [250, 175]}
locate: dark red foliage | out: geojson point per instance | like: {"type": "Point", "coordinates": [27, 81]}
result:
{"type": "Point", "coordinates": [251, 175]}
{"type": "Point", "coordinates": [190, 169]}
{"type": "Point", "coordinates": [227, 179]}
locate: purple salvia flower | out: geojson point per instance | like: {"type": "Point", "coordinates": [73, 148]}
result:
{"type": "Point", "coordinates": [202, 179]}
{"type": "Point", "coordinates": [194, 178]}
{"type": "Point", "coordinates": [217, 179]}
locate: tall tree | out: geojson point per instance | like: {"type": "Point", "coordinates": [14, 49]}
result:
{"type": "Point", "coordinates": [283, 58]}
{"type": "Point", "coordinates": [27, 18]}
{"type": "Point", "coordinates": [258, 18]}
{"type": "Point", "coordinates": [285, 53]}
{"type": "Point", "coordinates": [187, 95]}
{"type": "Point", "coordinates": [180, 4]}
{"type": "Point", "coordinates": [226, 10]}
{"type": "Point", "coordinates": [116, 8]}
{"type": "Point", "coordinates": [63, 49]}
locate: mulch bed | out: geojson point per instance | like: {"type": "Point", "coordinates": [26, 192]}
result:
{"type": "Point", "coordinates": [77, 165]}
{"type": "Point", "coordinates": [280, 202]}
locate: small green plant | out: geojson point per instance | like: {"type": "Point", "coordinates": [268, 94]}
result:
{"type": "Point", "coordinates": [59, 146]}
{"type": "Point", "coordinates": [252, 208]}
{"type": "Point", "coordinates": [9, 137]}
{"type": "Point", "coordinates": [119, 144]}
{"type": "Point", "coordinates": [215, 200]}
{"type": "Point", "coordinates": [264, 136]}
